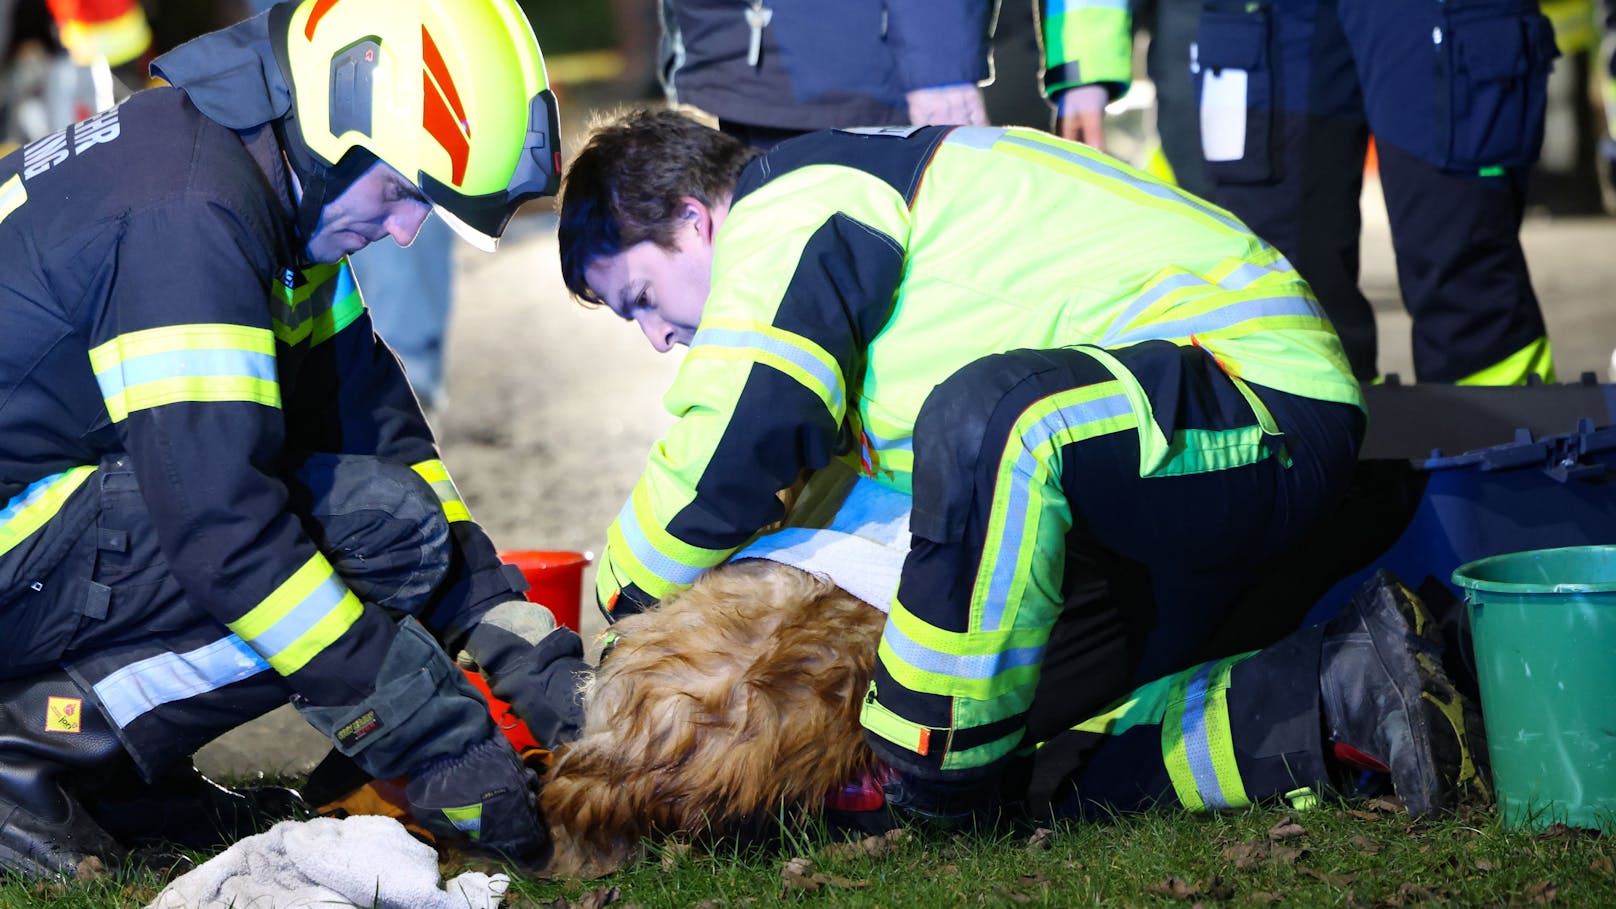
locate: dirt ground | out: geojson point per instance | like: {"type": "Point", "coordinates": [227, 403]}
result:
{"type": "Point", "coordinates": [552, 407]}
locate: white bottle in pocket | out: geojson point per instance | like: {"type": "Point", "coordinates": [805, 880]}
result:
{"type": "Point", "coordinates": [1223, 111]}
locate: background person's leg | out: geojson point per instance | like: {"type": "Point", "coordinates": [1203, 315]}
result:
{"type": "Point", "coordinates": [1458, 124]}
{"type": "Point", "coordinates": [1283, 136]}
{"type": "Point", "coordinates": [1172, 31]}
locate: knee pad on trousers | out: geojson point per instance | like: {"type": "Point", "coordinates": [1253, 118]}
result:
{"type": "Point", "coordinates": [379, 523]}
{"type": "Point", "coordinates": [956, 428]}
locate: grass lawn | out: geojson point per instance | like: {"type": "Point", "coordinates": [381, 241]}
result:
{"type": "Point", "coordinates": [1334, 855]}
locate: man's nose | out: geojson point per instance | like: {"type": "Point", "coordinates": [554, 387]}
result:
{"type": "Point", "coordinates": [405, 222]}
{"type": "Point", "coordinates": [658, 332]}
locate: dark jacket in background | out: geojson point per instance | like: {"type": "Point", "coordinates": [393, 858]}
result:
{"type": "Point", "coordinates": [823, 63]}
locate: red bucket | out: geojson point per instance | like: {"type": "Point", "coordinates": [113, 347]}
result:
{"type": "Point", "coordinates": [555, 579]}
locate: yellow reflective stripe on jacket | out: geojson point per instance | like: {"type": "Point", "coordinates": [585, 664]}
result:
{"type": "Point", "coordinates": [753, 271]}
{"type": "Point", "coordinates": [180, 363]}
{"type": "Point", "coordinates": [1266, 328]}
{"type": "Point", "coordinates": [437, 475]}
{"type": "Point", "coordinates": [642, 551]}
{"type": "Point", "coordinates": [749, 341]}
{"type": "Point", "coordinates": [325, 303]}
{"type": "Point", "coordinates": [12, 195]}
{"type": "Point", "coordinates": [1197, 743]}
{"type": "Point", "coordinates": [306, 613]}
{"type": "Point", "coordinates": [30, 509]}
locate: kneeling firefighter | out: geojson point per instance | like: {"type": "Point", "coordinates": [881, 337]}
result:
{"type": "Point", "coordinates": [217, 490]}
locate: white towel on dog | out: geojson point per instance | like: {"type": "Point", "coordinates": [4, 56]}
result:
{"type": "Point", "coordinates": [856, 532]}
{"type": "Point", "coordinates": [361, 860]}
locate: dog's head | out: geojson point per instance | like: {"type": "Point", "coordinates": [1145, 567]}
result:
{"type": "Point", "coordinates": [734, 700]}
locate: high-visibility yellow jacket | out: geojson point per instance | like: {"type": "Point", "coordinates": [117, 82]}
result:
{"type": "Point", "coordinates": [857, 270]}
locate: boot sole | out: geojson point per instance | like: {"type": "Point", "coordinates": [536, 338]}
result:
{"type": "Point", "coordinates": [1443, 722]}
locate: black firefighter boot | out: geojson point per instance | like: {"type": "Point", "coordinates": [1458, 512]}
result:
{"type": "Point", "coordinates": [1389, 707]}
{"type": "Point", "coordinates": [185, 808]}
{"type": "Point", "coordinates": [51, 733]}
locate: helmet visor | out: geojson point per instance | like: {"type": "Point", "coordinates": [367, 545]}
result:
{"type": "Point", "coordinates": [481, 220]}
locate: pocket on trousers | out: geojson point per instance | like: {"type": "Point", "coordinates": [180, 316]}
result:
{"type": "Point", "coordinates": [1234, 85]}
{"type": "Point", "coordinates": [1493, 65]}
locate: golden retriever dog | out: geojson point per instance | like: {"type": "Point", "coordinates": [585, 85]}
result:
{"type": "Point", "coordinates": [727, 704]}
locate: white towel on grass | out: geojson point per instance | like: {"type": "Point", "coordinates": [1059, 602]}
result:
{"type": "Point", "coordinates": [854, 531]}
{"type": "Point", "coordinates": [365, 861]}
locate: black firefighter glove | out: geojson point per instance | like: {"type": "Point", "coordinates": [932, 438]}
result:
{"type": "Point", "coordinates": [424, 720]}
{"type": "Point", "coordinates": [485, 795]}
{"type": "Point", "coordinates": [535, 665]}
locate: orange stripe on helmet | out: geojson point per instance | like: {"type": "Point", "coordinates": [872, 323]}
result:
{"type": "Point", "coordinates": [440, 72]}
{"type": "Point", "coordinates": [321, 7]}
{"type": "Point", "coordinates": [449, 128]}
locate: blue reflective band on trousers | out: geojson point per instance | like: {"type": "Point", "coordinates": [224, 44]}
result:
{"type": "Point", "coordinates": [1015, 525]}
{"type": "Point", "coordinates": [1196, 748]}
{"type": "Point", "coordinates": [140, 687]}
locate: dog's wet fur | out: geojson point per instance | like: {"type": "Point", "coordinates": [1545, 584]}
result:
{"type": "Point", "coordinates": [736, 700]}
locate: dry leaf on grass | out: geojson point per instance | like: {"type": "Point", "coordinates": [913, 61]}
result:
{"type": "Point", "coordinates": [1042, 838]}
{"type": "Point", "coordinates": [673, 854]}
{"type": "Point", "coordinates": [1389, 804]}
{"type": "Point", "coordinates": [871, 846]}
{"type": "Point", "coordinates": [1174, 886]}
{"type": "Point", "coordinates": [1286, 829]}
{"type": "Point", "coordinates": [1286, 855]}
{"type": "Point", "coordinates": [1364, 845]}
{"type": "Point", "coordinates": [1363, 815]}
{"type": "Point", "coordinates": [1563, 832]}
{"type": "Point", "coordinates": [799, 873]}
{"type": "Point", "coordinates": [1412, 894]}
{"type": "Point", "coordinates": [1246, 855]}
{"type": "Point", "coordinates": [1539, 894]}
{"type": "Point", "coordinates": [1213, 888]}
{"type": "Point", "coordinates": [1338, 881]}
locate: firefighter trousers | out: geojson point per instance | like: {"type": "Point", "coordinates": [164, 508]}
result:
{"type": "Point", "coordinates": [1454, 93]}
{"type": "Point", "coordinates": [91, 592]}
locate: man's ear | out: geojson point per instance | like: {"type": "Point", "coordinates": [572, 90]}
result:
{"type": "Point", "coordinates": [696, 212]}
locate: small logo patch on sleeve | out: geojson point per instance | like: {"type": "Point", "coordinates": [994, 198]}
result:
{"type": "Point", "coordinates": [362, 725]}
{"type": "Point", "coordinates": [64, 714]}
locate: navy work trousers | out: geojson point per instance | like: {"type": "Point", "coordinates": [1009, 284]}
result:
{"type": "Point", "coordinates": [95, 595]}
{"type": "Point", "coordinates": [1454, 93]}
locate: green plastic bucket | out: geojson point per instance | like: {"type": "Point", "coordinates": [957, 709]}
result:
{"type": "Point", "coordinates": [1544, 627]}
